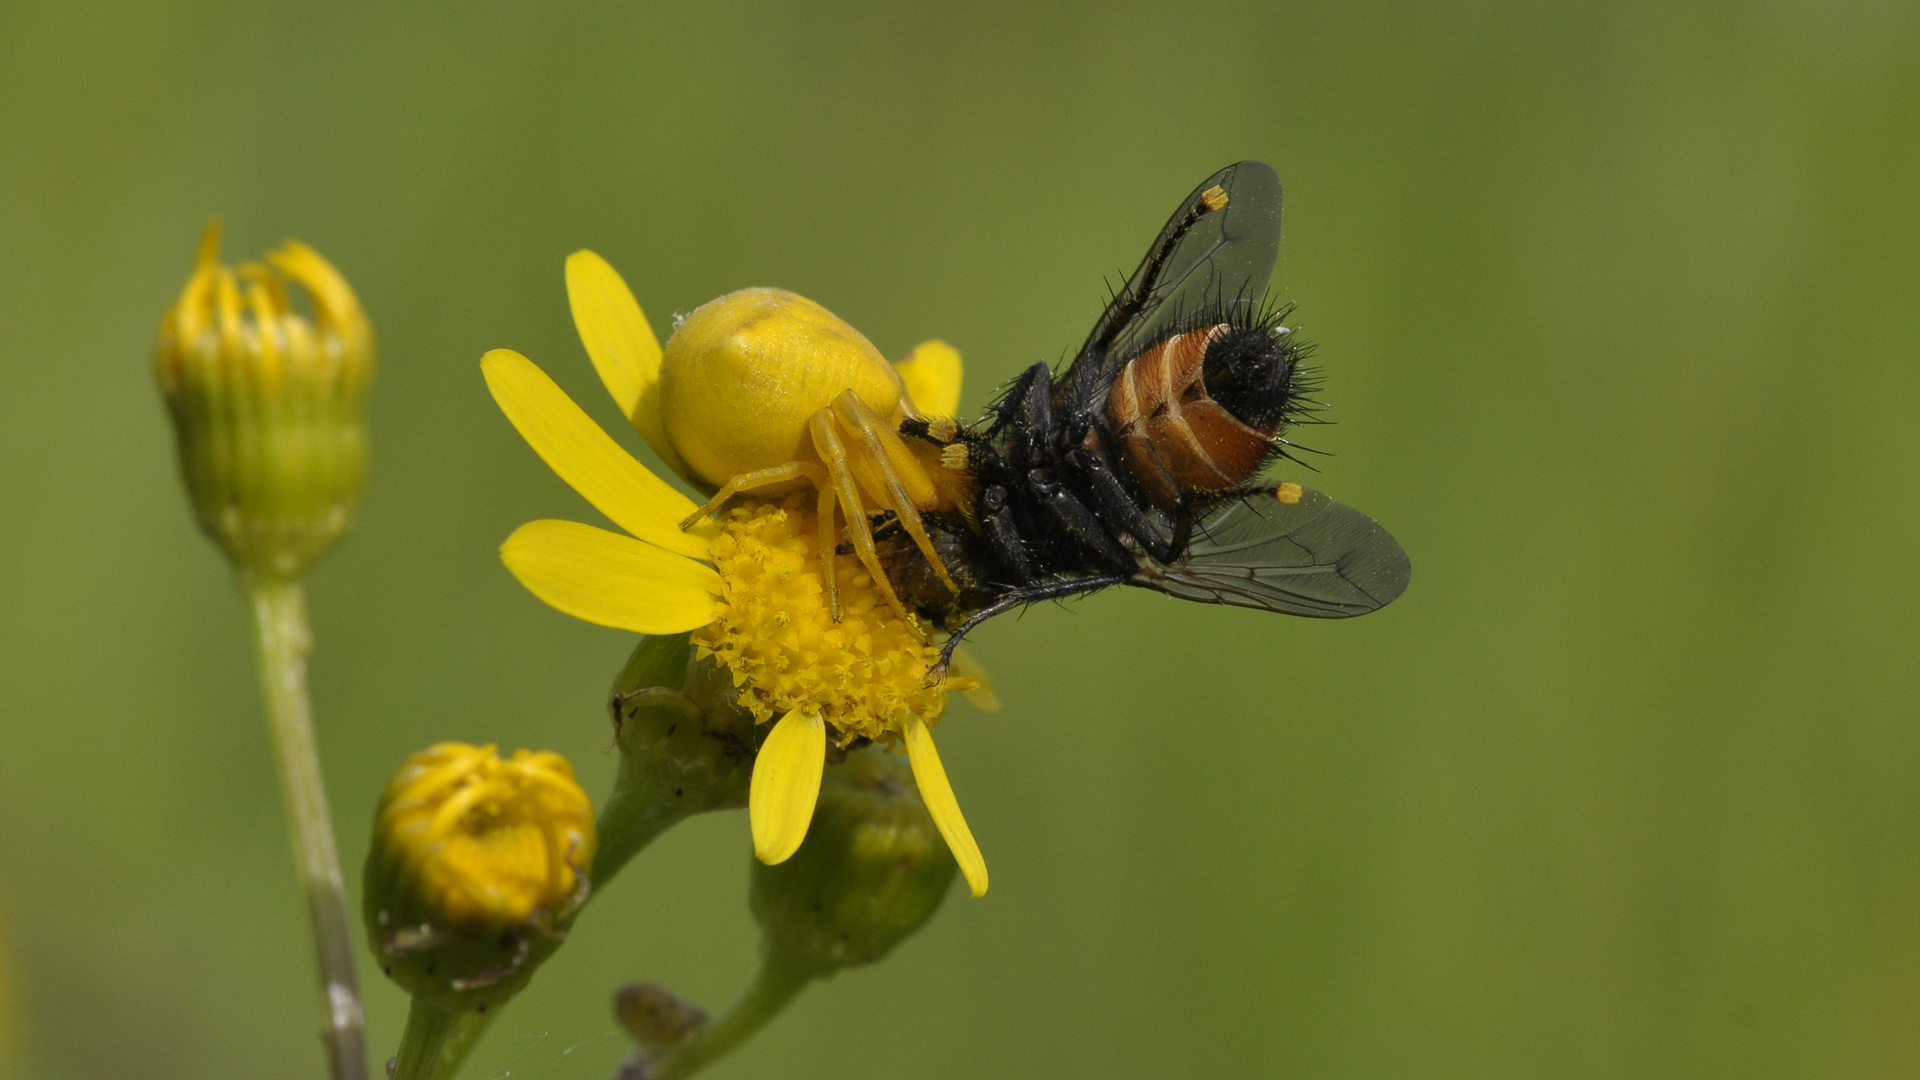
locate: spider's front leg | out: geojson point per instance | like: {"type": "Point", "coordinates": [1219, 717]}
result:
{"type": "Point", "coordinates": [907, 485]}
{"type": "Point", "coordinates": [759, 478]}
{"type": "Point", "coordinates": [826, 442]}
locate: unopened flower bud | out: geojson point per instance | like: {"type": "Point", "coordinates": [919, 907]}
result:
{"type": "Point", "coordinates": [872, 870]}
{"type": "Point", "coordinates": [477, 866]}
{"type": "Point", "coordinates": [268, 405]}
{"type": "Point", "coordinates": [655, 1017]}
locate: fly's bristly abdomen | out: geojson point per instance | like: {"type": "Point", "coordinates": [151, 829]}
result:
{"type": "Point", "coordinates": [1177, 434]}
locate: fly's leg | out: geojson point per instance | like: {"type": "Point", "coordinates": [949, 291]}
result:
{"type": "Point", "coordinates": [1182, 529]}
{"type": "Point", "coordinates": [996, 518]}
{"type": "Point", "coordinates": [1111, 499]}
{"type": "Point", "coordinates": [826, 441]}
{"type": "Point", "coordinates": [1011, 402]}
{"type": "Point", "coordinates": [759, 478]}
{"type": "Point", "coordinates": [1013, 598]}
{"type": "Point", "coordinates": [1080, 523]}
{"type": "Point", "coordinates": [896, 466]}
{"type": "Point", "coordinates": [1029, 408]}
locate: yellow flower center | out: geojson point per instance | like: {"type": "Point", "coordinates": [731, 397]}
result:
{"type": "Point", "coordinates": [485, 840]}
{"type": "Point", "coordinates": [865, 673]}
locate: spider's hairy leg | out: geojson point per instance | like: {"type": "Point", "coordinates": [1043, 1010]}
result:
{"type": "Point", "coordinates": [759, 478]}
{"type": "Point", "coordinates": [825, 517]}
{"type": "Point", "coordinates": [898, 468]}
{"type": "Point", "coordinates": [826, 442]}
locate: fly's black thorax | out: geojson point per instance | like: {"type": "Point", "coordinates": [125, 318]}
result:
{"type": "Point", "coordinates": [1040, 510]}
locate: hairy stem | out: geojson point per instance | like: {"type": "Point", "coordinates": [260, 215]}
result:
{"type": "Point", "coordinates": [282, 639]}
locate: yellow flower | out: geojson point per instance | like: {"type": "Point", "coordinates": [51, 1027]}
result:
{"type": "Point", "coordinates": [750, 589]}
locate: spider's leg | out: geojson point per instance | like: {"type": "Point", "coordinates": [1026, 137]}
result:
{"type": "Point", "coordinates": [827, 552]}
{"type": "Point", "coordinates": [827, 442]}
{"type": "Point", "coordinates": [896, 465]}
{"type": "Point", "coordinates": [758, 478]}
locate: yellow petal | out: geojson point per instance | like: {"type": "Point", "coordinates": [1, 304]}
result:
{"type": "Point", "coordinates": [786, 784]}
{"type": "Point", "coordinates": [931, 373]}
{"type": "Point", "coordinates": [333, 300]}
{"type": "Point", "coordinates": [621, 345]}
{"type": "Point", "coordinates": [938, 795]}
{"type": "Point", "coordinates": [588, 458]}
{"type": "Point", "coordinates": [610, 579]}
{"type": "Point", "coordinates": [966, 666]}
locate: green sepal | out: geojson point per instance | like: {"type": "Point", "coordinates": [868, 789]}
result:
{"type": "Point", "coordinates": [872, 871]}
{"type": "Point", "coordinates": [456, 969]}
{"type": "Point", "coordinates": [686, 747]}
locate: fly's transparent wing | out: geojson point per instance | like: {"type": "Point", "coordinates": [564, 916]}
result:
{"type": "Point", "coordinates": [1207, 256]}
{"type": "Point", "coordinates": [1313, 557]}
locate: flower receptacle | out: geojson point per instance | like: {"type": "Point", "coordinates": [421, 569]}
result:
{"type": "Point", "coordinates": [872, 871]}
{"type": "Point", "coordinates": [686, 747]}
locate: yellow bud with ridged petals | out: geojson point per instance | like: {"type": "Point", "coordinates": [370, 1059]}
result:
{"type": "Point", "coordinates": [743, 374]}
{"type": "Point", "coordinates": [268, 404]}
{"type": "Point", "coordinates": [478, 864]}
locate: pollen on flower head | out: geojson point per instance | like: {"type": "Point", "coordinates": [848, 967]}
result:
{"type": "Point", "coordinates": [479, 840]}
{"type": "Point", "coordinates": [776, 635]}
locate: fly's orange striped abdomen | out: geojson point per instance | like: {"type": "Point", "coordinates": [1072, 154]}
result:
{"type": "Point", "coordinates": [1174, 437]}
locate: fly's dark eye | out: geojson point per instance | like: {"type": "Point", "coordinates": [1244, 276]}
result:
{"type": "Point", "coordinates": [1249, 371]}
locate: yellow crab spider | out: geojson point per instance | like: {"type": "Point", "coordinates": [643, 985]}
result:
{"type": "Point", "coordinates": [765, 391]}
{"type": "Point", "coordinates": [762, 389]}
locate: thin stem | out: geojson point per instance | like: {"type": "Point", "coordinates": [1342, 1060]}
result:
{"type": "Point", "coordinates": [466, 1035]}
{"type": "Point", "coordinates": [773, 989]}
{"type": "Point", "coordinates": [422, 1045]}
{"type": "Point", "coordinates": [639, 810]}
{"type": "Point", "coordinates": [280, 630]}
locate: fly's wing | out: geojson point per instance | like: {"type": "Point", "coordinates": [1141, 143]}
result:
{"type": "Point", "coordinates": [1312, 557]}
{"type": "Point", "coordinates": [1209, 255]}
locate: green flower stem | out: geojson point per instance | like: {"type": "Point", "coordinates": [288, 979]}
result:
{"type": "Point", "coordinates": [641, 807]}
{"type": "Point", "coordinates": [466, 1035]}
{"type": "Point", "coordinates": [423, 1046]}
{"type": "Point", "coordinates": [773, 989]}
{"type": "Point", "coordinates": [644, 802]}
{"type": "Point", "coordinates": [280, 628]}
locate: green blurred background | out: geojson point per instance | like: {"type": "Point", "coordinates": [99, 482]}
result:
{"type": "Point", "coordinates": [1617, 306]}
